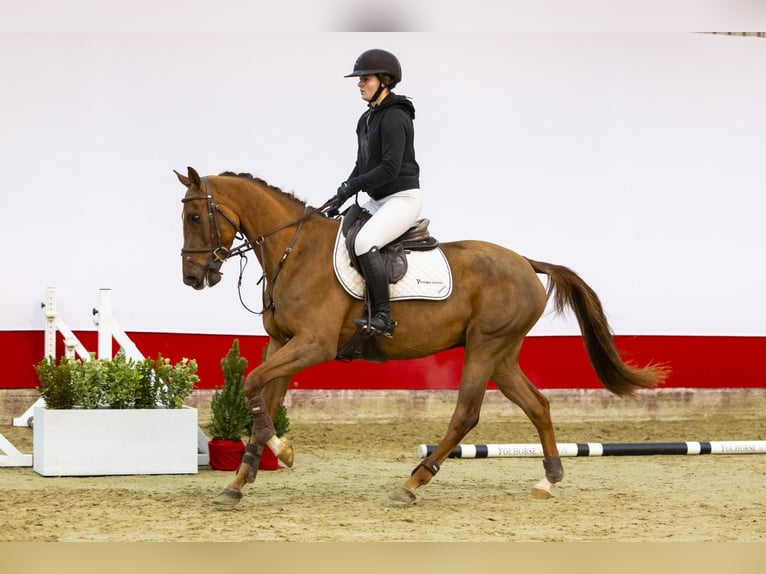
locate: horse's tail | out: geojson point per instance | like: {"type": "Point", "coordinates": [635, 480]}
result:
{"type": "Point", "coordinates": [568, 289]}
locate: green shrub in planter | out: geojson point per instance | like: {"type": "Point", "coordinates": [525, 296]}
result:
{"type": "Point", "coordinates": [179, 381]}
{"type": "Point", "coordinates": [56, 382]}
{"type": "Point", "coordinates": [149, 385]}
{"type": "Point", "coordinates": [88, 382]}
{"type": "Point", "coordinates": [119, 383]}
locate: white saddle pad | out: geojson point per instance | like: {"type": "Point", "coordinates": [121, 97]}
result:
{"type": "Point", "coordinates": [428, 274]}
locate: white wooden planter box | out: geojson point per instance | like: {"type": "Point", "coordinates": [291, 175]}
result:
{"type": "Point", "coordinates": [100, 442]}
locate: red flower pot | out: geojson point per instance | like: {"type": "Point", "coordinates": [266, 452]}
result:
{"type": "Point", "coordinates": [225, 454]}
{"type": "Point", "coordinates": [269, 460]}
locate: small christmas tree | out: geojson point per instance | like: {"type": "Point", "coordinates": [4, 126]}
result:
{"type": "Point", "coordinates": [231, 417]}
{"type": "Point", "coordinates": [281, 421]}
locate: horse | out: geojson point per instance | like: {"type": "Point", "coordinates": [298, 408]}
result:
{"type": "Point", "coordinates": [497, 297]}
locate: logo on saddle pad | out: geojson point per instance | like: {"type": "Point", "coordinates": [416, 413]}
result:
{"type": "Point", "coordinates": [428, 274]}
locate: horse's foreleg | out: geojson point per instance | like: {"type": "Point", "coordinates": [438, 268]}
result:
{"type": "Point", "coordinates": [265, 388]}
{"type": "Point", "coordinates": [262, 436]}
{"type": "Point", "coordinates": [280, 446]}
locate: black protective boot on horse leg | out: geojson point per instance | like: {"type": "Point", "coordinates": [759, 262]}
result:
{"type": "Point", "coordinates": [378, 320]}
{"type": "Point", "coordinates": [263, 430]}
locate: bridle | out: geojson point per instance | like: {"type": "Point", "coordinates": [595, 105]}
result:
{"type": "Point", "coordinates": [218, 253]}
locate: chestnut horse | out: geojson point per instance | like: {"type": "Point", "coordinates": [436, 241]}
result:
{"type": "Point", "coordinates": [496, 299]}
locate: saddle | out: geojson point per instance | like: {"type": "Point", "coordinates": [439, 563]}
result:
{"type": "Point", "coordinates": [416, 238]}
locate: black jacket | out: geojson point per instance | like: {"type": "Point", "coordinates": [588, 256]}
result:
{"type": "Point", "coordinates": [385, 161]}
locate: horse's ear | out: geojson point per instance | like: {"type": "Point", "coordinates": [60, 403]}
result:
{"type": "Point", "coordinates": [183, 179]}
{"type": "Point", "coordinates": [194, 177]}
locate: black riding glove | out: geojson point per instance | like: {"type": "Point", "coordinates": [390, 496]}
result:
{"type": "Point", "coordinates": [346, 190]}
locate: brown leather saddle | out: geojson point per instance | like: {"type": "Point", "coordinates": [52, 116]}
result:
{"type": "Point", "coordinates": [416, 238]}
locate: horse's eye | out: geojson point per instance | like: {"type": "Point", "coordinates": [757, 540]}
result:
{"type": "Point", "coordinates": [193, 218]}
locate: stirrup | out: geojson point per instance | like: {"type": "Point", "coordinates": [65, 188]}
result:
{"type": "Point", "coordinates": [376, 326]}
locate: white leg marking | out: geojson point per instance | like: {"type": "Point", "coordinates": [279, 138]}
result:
{"type": "Point", "coordinates": [544, 485]}
{"type": "Point", "coordinates": [275, 445]}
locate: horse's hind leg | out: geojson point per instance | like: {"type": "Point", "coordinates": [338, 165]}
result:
{"type": "Point", "coordinates": [515, 385]}
{"type": "Point", "coordinates": [473, 385]}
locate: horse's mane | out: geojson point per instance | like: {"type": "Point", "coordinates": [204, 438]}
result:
{"type": "Point", "coordinates": [263, 183]}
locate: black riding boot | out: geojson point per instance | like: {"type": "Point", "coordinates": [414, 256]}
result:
{"type": "Point", "coordinates": [374, 272]}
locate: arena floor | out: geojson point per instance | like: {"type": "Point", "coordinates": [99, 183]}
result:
{"type": "Point", "coordinates": [337, 490]}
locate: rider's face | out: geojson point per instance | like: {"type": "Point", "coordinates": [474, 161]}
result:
{"type": "Point", "coordinates": [368, 85]}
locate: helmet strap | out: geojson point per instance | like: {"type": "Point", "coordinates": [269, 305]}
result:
{"type": "Point", "coordinates": [379, 91]}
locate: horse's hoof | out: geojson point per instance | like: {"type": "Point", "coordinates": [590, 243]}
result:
{"type": "Point", "coordinates": [402, 494]}
{"type": "Point", "coordinates": [542, 490]}
{"type": "Point", "coordinates": [287, 454]}
{"type": "Point", "coordinates": [227, 499]}
{"type": "Point", "coordinates": [540, 494]}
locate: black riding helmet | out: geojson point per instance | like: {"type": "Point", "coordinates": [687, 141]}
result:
{"type": "Point", "coordinates": [377, 62]}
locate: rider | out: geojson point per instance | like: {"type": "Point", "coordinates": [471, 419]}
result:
{"type": "Point", "coordinates": [387, 172]}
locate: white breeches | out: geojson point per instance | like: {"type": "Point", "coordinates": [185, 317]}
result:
{"type": "Point", "coordinates": [391, 216]}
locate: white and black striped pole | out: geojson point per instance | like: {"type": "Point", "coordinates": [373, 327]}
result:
{"type": "Point", "coordinates": [602, 449]}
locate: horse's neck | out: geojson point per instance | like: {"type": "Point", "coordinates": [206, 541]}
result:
{"type": "Point", "coordinates": [266, 219]}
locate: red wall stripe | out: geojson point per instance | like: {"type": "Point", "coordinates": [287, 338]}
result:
{"type": "Point", "coordinates": [551, 362]}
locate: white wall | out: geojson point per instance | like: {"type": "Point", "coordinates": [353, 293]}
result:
{"type": "Point", "coordinates": [635, 159]}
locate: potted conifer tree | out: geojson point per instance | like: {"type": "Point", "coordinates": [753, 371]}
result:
{"type": "Point", "coordinates": [232, 419]}
{"type": "Point", "coordinates": [230, 413]}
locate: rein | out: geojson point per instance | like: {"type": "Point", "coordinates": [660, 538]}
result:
{"type": "Point", "coordinates": [261, 241]}
{"type": "Point", "coordinates": [218, 253]}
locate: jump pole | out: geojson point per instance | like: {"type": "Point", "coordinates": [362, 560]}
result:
{"type": "Point", "coordinates": [601, 449]}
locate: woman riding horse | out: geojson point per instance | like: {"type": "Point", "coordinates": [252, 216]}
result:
{"type": "Point", "coordinates": [386, 170]}
{"type": "Point", "coordinates": [496, 299]}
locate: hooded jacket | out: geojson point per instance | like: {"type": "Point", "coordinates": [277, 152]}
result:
{"type": "Point", "coordinates": [385, 161]}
